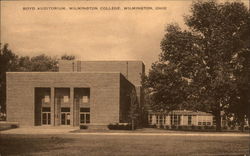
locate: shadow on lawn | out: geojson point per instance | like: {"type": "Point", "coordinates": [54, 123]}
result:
{"type": "Point", "coordinates": [24, 145]}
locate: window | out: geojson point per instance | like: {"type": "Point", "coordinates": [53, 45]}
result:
{"type": "Point", "coordinates": [189, 119]}
{"type": "Point", "coordinates": [84, 109]}
{"type": "Point", "coordinates": [208, 123]}
{"type": "Point", "coordinates": [85, 99]}
{"type": "Point", "coordinates": [199, 123]}
{"type": "Point", "coordinates": [84, 115]}
{"type": "Point", "coordinates": [46, 118]}
{"type": "Point", "coordinates": [150, 119]}
{"type": "Point", "coordinates": [46, 109]}
{"type": "Point", "coordinates": [204, 123]}
{"type": "Point", "coordinates": [65, 99]}
{"type": "Point", "coordinates": [214, 121]}
{"type": "Point", "coordinates": [65, 109]}
{"type": "Point", "coordinates": [175, 119]}
{"type": "Point", "coordinates": [46, 99]}
{"type": "Point", "coordinates": [164, 119]}
{"type": "Point", "coordinates": [160, 119]}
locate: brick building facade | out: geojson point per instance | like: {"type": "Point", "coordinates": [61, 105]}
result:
{"type": "Point", "coordinates": [82, 92]}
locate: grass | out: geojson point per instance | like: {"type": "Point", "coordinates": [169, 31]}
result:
{"type": "Point", "coordinates": [92, 145]}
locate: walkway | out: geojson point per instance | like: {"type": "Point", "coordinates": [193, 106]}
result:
{"type": "Point", "coordinates": [142, 132]}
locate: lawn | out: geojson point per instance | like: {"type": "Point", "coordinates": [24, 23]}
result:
{"type": "Point", "coordinates": [89, 145]}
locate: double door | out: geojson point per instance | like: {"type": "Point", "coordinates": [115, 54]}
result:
{"type": "Point", "coordinates": [65, 118]}
{"type": "Point", "coordinates": [46, 118]}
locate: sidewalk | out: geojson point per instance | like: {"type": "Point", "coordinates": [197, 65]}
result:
{"type": "Point", "coordinates": [139, 132]}
{"type": "Point", "coordinates": [40, 130]}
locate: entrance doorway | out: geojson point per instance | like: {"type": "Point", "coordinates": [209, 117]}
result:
{"type": "Point", "coordinates": [65, 116]}
{"type": "Point", "coordinates": [46, 116]}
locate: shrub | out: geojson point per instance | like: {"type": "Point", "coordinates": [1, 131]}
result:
{"type": "Point", "coordinates": [189, 127]}
{"type": "Point", "coordinates": [120, 126]}
{"type": "Point", "coordinates": [161, 126]}
{"type": "Point", "coordinates": [167, 127]}
{"type": "Point", "coordinates": [185, 127]}
{"type": "Point", "coordinates": [224, 128]}
{"type": "Point", "coordinates": [193, 127]}
{"type": "Point", "coordinates": [173, 127]}
{"type": "Point", "coordinates": [83, 127]}
{"type": "Point", "coordinates": [151, 126]}
{"type": "Point", "coordinates": [14, 126]}
{"type": "Point", "coordinates": [246, 128]}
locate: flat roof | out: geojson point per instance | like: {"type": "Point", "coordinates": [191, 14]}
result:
{"type": "Point", "coordinates": [107, 61]}
{"type": "Point", "coordinates": [181, 112]}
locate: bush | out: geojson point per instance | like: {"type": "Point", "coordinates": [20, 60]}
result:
{"type": "Point", "coordinates": [120, 126]}
{"type": "Point", "coordinates": [14, 126]}
{"type": "Point", "coordinates": [173, 127]}
{"type": "Point", "coordinates": [167, 127]}
{"type": "Point", "coordinates": [189, 127]}
{"type": "Point", "coordinates": [224, 128]}
{"type": "Point", "coordinates": [185, 127]}
{"type": "Point", "coordinates": [193, 127]}
{"type": "Point", "coordinates": [83, 127]}
{"type": "Point", "coordinates": [161, 126]}
{"type": "Point", "coordinates": [151, 126]}
{"type": "Point", "coordinates": [246, 128]}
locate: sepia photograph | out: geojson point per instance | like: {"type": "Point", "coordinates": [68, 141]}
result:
{"type": "Point", "coordinates": [125, 77]}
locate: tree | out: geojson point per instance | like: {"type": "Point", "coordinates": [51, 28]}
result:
{"type": "Point", "coordinates": [8, 62]}
{"type": "Point", "coordinates": [68, 57]}
{"type": "Point", "coordinates": [197, 66]}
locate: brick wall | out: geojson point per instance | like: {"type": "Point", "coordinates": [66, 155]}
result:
{"type": "Point", "coordinates": [104, 93]}
{"type": "Point", "coordinates": [126, 88]}
{"type": "Point", "coordinates": [132, 70]}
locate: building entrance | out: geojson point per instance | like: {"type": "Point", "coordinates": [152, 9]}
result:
{"type": "Point", "coordinates": [65, 116]}
{"type": "Point", "coordinates": [46, 116]}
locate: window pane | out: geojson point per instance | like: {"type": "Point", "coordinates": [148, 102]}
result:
{"type": "Point", "coordinates": [65, 99]}
{"type": "Point", "coordinates": [46, 99]}
{"type": "Point", "coordinates": [65, 109]}
{"type": "Point", "coordinates": [63, 117]}
{"type": "Point", "coordinates": [46, 109]}
{"type": "Point", "coordinates": [49, 118]}
{"type": "Point", "coordinates": [87, 118]}
{"type": "Point", "coordinates": [189, 120]}
{"type": "Point", "coordinates": [84, 109]}
{"type": "Point", "coordinates": [44, 118]}
{"type": "Point", "coordinates": [85, 99]}
{"type": "Point", "coordinates": [82, 118]}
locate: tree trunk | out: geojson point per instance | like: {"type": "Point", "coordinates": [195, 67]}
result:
{"type": "Point", "coordinates": [218, 121]}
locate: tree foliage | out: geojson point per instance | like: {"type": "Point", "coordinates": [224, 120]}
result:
{"type": "Point", "coordinates": [9, 61]}
{"type": "Point", "coordinates": [68, 57]}
{"type": "Point", "coordinates": [205, 67]}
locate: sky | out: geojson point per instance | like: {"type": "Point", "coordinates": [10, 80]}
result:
{"type": "Point", "coordinates": [90, 34]}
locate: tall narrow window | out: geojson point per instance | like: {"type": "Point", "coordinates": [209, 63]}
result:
{"type": "Point", "coordinates": [150, 118]}
{"type": "Point", "coordinates": [46, 118]}
{"type": "Point", "coordinates": [84, 115]}
{"type": "Point", "coordinates": [189, 119]}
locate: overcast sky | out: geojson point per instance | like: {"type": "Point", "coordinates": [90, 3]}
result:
{"type": "Point", "coordinates": [90, 35]}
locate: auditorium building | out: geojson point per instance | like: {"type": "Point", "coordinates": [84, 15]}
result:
{"type": "Point", "coordinates": [94, 93]}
